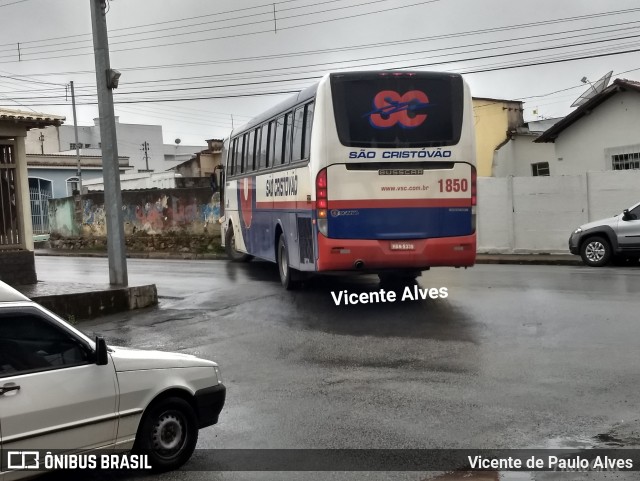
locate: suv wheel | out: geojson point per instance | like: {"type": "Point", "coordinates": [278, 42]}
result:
{"type": "Point", "coordinates": [596, 251]}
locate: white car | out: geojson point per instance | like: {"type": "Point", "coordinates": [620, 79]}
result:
{"type": "Point", "coordinates": [60, 390]}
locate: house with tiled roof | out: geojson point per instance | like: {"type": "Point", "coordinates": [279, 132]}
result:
{"type": "Point", "coordinates": [601, 134]}
{"type": "Point", "coordinates": [17, 264]}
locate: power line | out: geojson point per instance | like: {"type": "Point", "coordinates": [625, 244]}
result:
{"type": "Point", "coordinates": [213, 38]}
{"type": "Point", "coordinates": [511, 41]}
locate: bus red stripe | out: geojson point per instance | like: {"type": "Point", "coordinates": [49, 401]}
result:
{"type": "Point", "coordinates": [390, 203]}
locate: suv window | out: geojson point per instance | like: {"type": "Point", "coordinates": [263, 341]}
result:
{"type": "Point", "coordinates": [30, 343]}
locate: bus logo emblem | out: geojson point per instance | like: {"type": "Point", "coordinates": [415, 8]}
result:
{"type": "Point", "coordinates": [391, 108]}
{"type": "Point", "coordinates": [245, 193]}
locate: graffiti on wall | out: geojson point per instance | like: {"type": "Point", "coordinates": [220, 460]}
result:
{"type": "Point", "coordinates": [193, 211]}
{"type": "Point", "coordinates": [93, 214]}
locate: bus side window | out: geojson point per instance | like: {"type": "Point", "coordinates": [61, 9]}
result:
{"type": "Point", "coordinates": [308, 119]}
{"type": "Point", "coordinates": [276, 159]}
{"type": "Point", "coordinates": [256, 149]}
{"type": "Point", "coordinates": [249, 149]}
{"type": "Point", "coordinates": [288, 124]}
{"type": "Point", "coordinates": [298, 123]}
{"type": "Point", "coordinates": [264, 147]}
{"type": "Point", "coordinates": [243, 155]}
{"type": "Point", "coordinates": [233, 155]}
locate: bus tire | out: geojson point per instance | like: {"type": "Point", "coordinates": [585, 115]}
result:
{"type": "Point", "coordinates": [288, 276]}
{"type": "Point", "coordinates": [230, 247]}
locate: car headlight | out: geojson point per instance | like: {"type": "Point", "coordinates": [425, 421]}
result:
{"type": "Point", "coordinates": [577, 231]}
{"type": "Point", "coordinates": [218, 374]}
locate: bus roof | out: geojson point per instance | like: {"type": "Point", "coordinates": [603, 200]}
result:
{"type": "Point", "coordinates": [283, 106]}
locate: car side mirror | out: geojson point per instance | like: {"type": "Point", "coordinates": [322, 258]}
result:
{"type": "Point", "coordinates": [626, 215]}
{"type": "Point", "coordinates": [102, 355]}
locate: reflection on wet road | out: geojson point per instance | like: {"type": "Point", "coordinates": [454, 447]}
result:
{"type": "Point", "coordinates": [514, 357]}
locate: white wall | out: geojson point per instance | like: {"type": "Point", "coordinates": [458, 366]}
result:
{"type": "Point", "coordinates": [34, 146]}
{"type": "Point", "coordinates": [138, 181]}
{"type": "Point", "coordinates": [612, 124]}
{"type": "Point", "coordinates": [517, 155]}
{"type": "Point", "coordinates": [538, 214]}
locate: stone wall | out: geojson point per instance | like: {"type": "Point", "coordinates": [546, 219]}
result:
{"type": "Point", "coordinates": [143, 242]}
{"type": "Point", "coordinates": [18, 267]}
{"type": "Point", "coordinates": [178, 220]}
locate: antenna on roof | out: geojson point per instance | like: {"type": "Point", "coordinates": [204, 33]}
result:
{"type": "Point", "coordinates": [594, 90]}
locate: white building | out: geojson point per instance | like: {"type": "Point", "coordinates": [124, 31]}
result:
{"type": "Point", "coordinates": [602, 134]}
{"type": "Point", "coordinates": [142, 144]}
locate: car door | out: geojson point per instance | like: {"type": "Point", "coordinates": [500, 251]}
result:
{"type": "Point", "coordinates": [629, 230]}
{"type": "Point", "coordinates": [52, 393]}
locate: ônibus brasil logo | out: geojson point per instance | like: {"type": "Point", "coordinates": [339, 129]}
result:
{"type": "Point", "coordinates": [391, 108]}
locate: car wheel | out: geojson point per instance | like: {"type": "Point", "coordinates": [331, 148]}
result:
{"type": "Point", "coordinates": [288, 277]}
{"type": "Point", "coordinates": [596, 251]}
{"type": "Point", "coordinates": [168, 434]}
{"type": "Point", "coordinates": [230, 247]}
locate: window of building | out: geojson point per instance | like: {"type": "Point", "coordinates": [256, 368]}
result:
{"type": "Point", "coordinates": [73, 185]}
{"type": "Point", "coordinates": [629, 161]}
{"type": "Point", "coordinates": [541, 168]}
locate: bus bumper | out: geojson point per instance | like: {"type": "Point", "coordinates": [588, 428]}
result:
{"type": "Point", "coordinates": [346, 255]}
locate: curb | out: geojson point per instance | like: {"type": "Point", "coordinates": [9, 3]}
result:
{"type": "Point", "coordinates": [78, 306]}
{"type": "Point", "coordinates": [133, 255]}
{"type": "Point", "coordinates": [517, 259]}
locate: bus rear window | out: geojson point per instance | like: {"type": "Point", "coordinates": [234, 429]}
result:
{"type": "Point", "coordinates": [418, 109]}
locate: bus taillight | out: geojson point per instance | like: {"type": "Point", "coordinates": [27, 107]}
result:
{"type": "Point", "coordinates": [474, 197]}
{"type": "Point", "coordinates": [322, 201]}
{"type": "Point", "coordinates": [474, 176]}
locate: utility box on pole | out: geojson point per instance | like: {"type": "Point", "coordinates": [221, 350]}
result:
{"type": "Point", "coordinates": [107, 80]}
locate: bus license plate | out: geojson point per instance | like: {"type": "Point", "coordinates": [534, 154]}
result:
{"type": "Point", "coordinates": [402, 246]}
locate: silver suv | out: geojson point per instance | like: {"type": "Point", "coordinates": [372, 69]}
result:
{"type": "Point", "coordinates": [616, 237]}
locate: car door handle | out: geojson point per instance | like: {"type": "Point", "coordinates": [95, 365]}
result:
{"type": "Point", "coordinates": [6, 389]}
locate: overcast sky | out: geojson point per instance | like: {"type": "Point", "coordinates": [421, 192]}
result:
{"type": "Point", "coordinates": [242, 51]}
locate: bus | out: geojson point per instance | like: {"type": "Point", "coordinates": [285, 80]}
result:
{"type": "Point", "coordinates": [369, 171]}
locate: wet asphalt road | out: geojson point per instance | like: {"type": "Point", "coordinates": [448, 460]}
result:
{"type": "Point", "coordinates": [514, 357]}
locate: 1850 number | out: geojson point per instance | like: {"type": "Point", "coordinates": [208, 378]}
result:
{"type": "Point", "coordinates": [453, 185]}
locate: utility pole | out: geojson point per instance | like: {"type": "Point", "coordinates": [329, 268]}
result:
{"type": "Point", "coordinates": [106, 80]}
{"type": "Point", "coordinates": [41, 139]}
{"type": "Point", "coordinates": [145, 149]}
{"type": "Point", "coordinates": [75, 130]}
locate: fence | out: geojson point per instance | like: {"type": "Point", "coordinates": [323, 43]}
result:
{"type": "Point", "coordinates": [39, 210]}
{"type": "Point", "coordinates": [9, 222]}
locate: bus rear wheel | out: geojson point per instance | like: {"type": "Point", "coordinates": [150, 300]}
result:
{"type": "Point", "coordinates": [230, 247]}
{"type": "Point", "coordinates": [288, 276]}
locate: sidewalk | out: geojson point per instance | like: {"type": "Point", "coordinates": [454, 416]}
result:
{"type": "Point", "coordinates": [76, 301]}
{"type": "Point", "coordinates": [522, 259]}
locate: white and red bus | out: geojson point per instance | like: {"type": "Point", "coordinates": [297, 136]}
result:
{"type": "Point", "coordinates": [364, 171]}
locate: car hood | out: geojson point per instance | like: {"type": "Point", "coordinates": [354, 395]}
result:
{"type": "Point", "coordinates": [126, 359]}
{"type": "Point", "coordinates": [610, 221]}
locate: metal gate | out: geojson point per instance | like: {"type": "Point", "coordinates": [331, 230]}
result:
{"type": "Point", "coordinates": [9, 223]}
{"type": "Point", "coordinates": [39, 197]}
